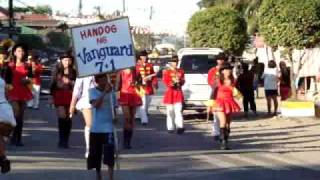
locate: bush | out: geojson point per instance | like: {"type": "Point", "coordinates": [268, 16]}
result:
{"type": "Point", "coordinates": [219, 27]}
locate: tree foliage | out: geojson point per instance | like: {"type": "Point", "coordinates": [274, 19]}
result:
{"type": "Point", "coordinates": [42, 9]}
{"type": "Point", "coordinates": [37, 42]}
{"type": "Point", "coordinates": [220, 27]}
{"type": "Point", "coordinates": [290, 23]}
{"type": "Point", "coordinates": [59, 40]}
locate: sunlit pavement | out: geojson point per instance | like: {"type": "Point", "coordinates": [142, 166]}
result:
{"type": "Point", "coordinates": [262, 148]}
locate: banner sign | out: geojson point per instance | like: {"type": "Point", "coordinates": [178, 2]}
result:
{"type": "Point", "coordinates": [103, 47]}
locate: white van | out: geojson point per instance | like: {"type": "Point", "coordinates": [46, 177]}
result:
{"type": "Point", "coordinates": [196, 62]}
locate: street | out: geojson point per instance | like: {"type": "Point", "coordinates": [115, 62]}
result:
{"type": "Point", "coordinates": [262, 148]}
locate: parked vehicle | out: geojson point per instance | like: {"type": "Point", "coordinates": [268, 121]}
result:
{"type": "Point", "coordinates": [196, 63]}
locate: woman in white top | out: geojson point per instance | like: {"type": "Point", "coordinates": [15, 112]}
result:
{"type": "Point", "coordinates": [80, 101]}
{"type": "Point", "coordinates": [271, 80]}
{"type": "Point", "coordinates": [7, 123]}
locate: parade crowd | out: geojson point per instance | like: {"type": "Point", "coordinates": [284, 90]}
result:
{"type": "Point", "coordinates": [97, 98]}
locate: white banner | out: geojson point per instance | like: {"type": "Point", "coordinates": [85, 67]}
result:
{"type": "Point", "coordinates": [103, 47]}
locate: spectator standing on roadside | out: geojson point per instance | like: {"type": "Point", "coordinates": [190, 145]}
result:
{"type": "Point", "coordinates": [245, 85]}
{"type": "Point", "coordinates": [285, 86]}
{"type": "Point", "coordinates": [257, 69]}
{"type": "Point", "coordinates": [271, 79]}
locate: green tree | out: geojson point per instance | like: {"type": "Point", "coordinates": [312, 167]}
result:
{"type": "Point", "coordinates": [221, 27]}
{"type": "Point", "coordinates": [43, 9]}
{"type": "Point", "coordinates": [248, 8]}
{"type": "Point", "coordinates": [59, 40]}
{"type": "Point", "coordinates": [37, 42]}
{"type": "Point", "coordinates": [292, 24]}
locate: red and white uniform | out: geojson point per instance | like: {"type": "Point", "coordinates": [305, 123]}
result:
{"type": "Point", "coordinates": [145, 70]}
{"type": "Point", "coordinates": [149, 82]}
{"type": "Point", "coordinates": [213, 77]}
{"type": "Point", "coordinates": [36, 85]}
{"type": "Point", "coordinates": [225, 100]}
{"type": "Point", "coordinates": [128, 94]}
{"type": "Point", "coordinates": [173, 97]}
{"type": "Point", "coordinates": [19, 92]}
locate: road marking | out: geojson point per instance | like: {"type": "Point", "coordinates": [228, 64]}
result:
{"type": "Point", "coordinates": [215, 161]}
{"type": "Point", "coordinates": [290, 161]}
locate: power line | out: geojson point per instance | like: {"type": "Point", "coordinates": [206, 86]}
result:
{"type": "Point", "coordinates": [23, 3]}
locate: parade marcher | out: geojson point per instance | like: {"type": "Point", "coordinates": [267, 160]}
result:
{"type": "Point", "coordinates": [37, 69]}
{"type": "Point", "coordinates": [61, 90]}
{"type": "Point", "coordinates": [20, 93]}
{"type": "Point", "coordinates": [129, 100]}
{"type": "Point", "coordinates": [225, 103]}
{"type": "Point", "coordinates": [271, 79]}
{"type": "Point", "coordinates": [245, 85]}
{"type": "Point", "coordinates": [213, 81]}
{"type": "Point", "coordinates": [285, 87]}
{"type": "Point", "coordinates": [101, 132]}
{"type": "Point", "coordinates": [147, 82]}
{"type": "Point", "coordinates": [80, 101]}
{"type": "Point", "coordinates": [7, 123]}
{"type": "Point", "coordinates": [173, 79]}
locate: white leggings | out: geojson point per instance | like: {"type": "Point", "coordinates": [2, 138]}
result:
{"type": "Point", "coordinates": [174, 116]}
{"type": "Point", "coordinates": [142, 111]}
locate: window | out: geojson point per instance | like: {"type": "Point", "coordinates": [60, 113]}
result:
{"type": "Point", "coordinates": [198, 64]}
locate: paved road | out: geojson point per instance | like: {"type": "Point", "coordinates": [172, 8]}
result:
{"type": "Point", "coordinates": [267, 149]}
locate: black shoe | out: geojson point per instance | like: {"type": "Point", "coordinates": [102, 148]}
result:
{"type": "Point", "coordinates": [144, 124]}
{"type": "Point", "coordinates": [224, 145]}
{"type": "Point", "coordinates": [180, 130]}
{"type": "Point", "coordinates": [5, 166]}
{"type": "Point", "coordinates": [170, 131]}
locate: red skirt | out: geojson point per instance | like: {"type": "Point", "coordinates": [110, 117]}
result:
{"type": "Point", "coordinates": [62, 97]}
{"type": "Point", "coordinates": [227, 106]}
{"type": "Point", "coordinates": [285, 92]}
{"type": "Point", "coordinates": [129, 99]}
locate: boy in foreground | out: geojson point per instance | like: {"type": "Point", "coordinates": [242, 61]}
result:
{"type": "Point", "coordinates": [101, 132]}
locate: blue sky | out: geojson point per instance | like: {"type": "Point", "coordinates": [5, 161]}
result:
{"type": "Point", "coordinates": [169, 14]}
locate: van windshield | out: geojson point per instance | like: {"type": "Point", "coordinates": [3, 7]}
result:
{"type": "Point", "coordinates": [198, 64]}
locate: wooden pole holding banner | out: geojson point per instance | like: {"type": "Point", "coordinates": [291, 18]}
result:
{"type": "Point", "coordinates": [115, 134]}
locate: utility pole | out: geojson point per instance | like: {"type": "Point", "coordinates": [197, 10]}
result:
{"type": "Point", "coordinates": [80, 8]}
{"type": "Point", "coordinates": [11, 18]}
{"type": "Point", "coordinates": [123, 7]}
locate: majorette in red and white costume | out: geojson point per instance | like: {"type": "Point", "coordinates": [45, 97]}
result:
{"type": "Point", "coordinates": [173, 78]}
{"type": "Point", "coordinates": [147, 83]}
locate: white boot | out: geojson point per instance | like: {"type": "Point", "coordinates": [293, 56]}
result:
{"type": "Point", "coordinates": [86, 138]}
